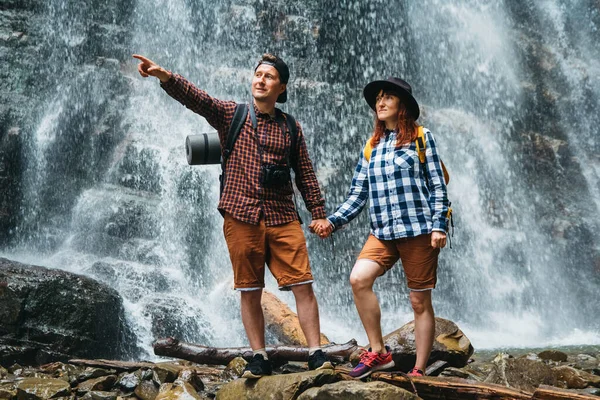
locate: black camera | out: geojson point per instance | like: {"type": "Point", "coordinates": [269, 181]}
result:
{"type": "Point", "coordinates": [274, 176]}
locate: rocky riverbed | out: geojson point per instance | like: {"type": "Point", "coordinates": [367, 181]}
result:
{"type": "Point", "coordinates": [58, 328]}
{"type": "Point", "coordinates": [578, 372]}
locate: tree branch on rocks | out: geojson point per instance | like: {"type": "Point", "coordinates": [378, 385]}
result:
{"type": "Point", "coordinates": [171, 347]}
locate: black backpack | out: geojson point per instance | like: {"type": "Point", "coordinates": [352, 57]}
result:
{"type": "Point", "coordinates": [238, 121]}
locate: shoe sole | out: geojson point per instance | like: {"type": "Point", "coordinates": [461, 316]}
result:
{"type": "Point", "coordinates": [326, 365]}
{"type": "Point", "coordinates": [375, 369]}
{"type": "Point", "coordinates": [250, 375]}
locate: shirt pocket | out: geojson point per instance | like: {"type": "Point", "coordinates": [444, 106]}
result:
{"type": "Point", "coordinates": [405, 159]}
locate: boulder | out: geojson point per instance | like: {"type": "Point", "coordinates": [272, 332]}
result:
{"type": "Point", "coordinates": [98, 395]}
{"type": "Point", "coordinates": [357, 390]}
{"type": "Point", "coordinates": [276, 387]}
{"type": "Point", "coordinates": [147, 390]}
{"type": "Point", "coordinates": [165, 373]}
{"type": "Point", "coordinates": [235, 368]}
{"type": "Point", "coordinates": [573, 378]}
{"type": "Point", "coordinates": [281, 321]}
{"type": "Point", "coordinates": [102, 383]}
{"type": "Point", "coordinates": [178, 391]}
{"type": "Point", "coordinates": [54, 312]}
{"type": "Point", "coordinates": [553, 355]}
{"type": "Point", "coordinates": [450, 345]}
{"type": "Point", "coordinates": [38, 389]}
{"type": "Point", "coordinates": [520, 373]}
{"type": "Point", "coordinates": [191, 376]}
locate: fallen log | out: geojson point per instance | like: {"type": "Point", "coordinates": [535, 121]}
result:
{"type": "Point", "coordinates": [451, 388]}
{"type": "Point", "coordinates": [545, 392]}
{"type": "Point", "coordinates": [171, 347]}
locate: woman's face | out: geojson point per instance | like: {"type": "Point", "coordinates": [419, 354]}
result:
{"type": "Point", "coordinates": [387, 106]}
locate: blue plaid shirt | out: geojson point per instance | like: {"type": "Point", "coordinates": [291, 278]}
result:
{"type": "Point", "coordinates": [402, 203]}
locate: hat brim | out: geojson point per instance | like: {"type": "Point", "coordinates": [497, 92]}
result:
{"type": "Point", "coordinates": [282, 97]}
{"type": "Point", "coordinates": [372, 90]}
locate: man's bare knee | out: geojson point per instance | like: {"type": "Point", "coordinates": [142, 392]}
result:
{"type": "Point", "coordinates": [303, 291]}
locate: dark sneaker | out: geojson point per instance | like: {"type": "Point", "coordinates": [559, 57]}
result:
{"type": "Point", "coordinates": [371, 362]}
{"type": "Point", "coordinates": [415, 372]}
{"type": "Point", "coordinates": [318, 360]}
{"type": "Point", "coordinates": [257, 367]}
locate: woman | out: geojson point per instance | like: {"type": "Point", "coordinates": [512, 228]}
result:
{"type": "Point", "coordinates": [409, 213]}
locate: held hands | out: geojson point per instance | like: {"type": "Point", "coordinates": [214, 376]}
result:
{"type": "Point", "coordinates": [149, 68]}
{"type": "Point", "coordinates": [438, 239]}
{"type": "Point", "coordinates": [322, 227]}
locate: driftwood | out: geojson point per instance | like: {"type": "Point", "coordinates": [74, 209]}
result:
{"type": "Point", "coordinates": [171, 347]}
{"type": "Point", "coordinates": [118, 365]}
{"type": "Point", "coordinates": [451, 388]}
{"type": "Point", "coordinates": [545, 392]}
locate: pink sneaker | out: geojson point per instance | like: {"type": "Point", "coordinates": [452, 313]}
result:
{"type": "Point", "coordinates": [415, 372]}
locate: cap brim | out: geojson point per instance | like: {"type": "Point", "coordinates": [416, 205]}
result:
{"type": "Point", "coordinates": [372, 90]}
{"type": "Point", "coordinates": [282, 97]}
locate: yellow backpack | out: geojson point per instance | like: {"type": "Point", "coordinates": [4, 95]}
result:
{"type": "Point", "coordinates": [420, 142]}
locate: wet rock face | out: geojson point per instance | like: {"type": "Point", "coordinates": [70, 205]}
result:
{"type": "Point", "coordinates": [59, 312]}
{"type": "Point", "coordinates": [520, 373]}
{"type": "Point", "coordinates": [358, 390]}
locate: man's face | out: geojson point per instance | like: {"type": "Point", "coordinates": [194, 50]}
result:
{"type": "Point", "coordinates": [266, 84]}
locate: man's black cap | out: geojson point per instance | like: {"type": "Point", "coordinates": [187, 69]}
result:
{"type": "Point", "coordinates": [284, 74]}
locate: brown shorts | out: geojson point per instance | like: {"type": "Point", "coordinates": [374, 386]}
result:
{"type": "Point", "coordinates": [281, 247]}
{"type": "Point", "coordinates": [419, 259]}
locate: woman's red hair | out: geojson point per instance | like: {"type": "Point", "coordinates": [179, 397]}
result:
{"type": "Point", "coordinates": [406, 128]}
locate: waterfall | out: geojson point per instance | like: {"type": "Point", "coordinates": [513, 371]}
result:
{"type": "Point", "coordinates": [509, 89]}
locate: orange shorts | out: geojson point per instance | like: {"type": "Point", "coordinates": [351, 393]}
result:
{"type": "Point", "coordinates": [419, 259]}
{"type": "Point", "coordinates": [282, 248]}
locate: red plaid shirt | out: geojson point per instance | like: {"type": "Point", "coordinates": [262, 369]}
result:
{"type": "Point", "coordinates": [243, 196]}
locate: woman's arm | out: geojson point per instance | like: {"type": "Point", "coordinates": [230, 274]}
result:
{"type": "Point", "coordinates": [357, 196]}
{"type": "Point", "coordinates": [438, 200]}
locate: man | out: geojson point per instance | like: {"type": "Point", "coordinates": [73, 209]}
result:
{"type": "Point", "coordinates": [261, 224]}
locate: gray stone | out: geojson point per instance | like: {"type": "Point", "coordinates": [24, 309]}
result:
{"type": "Point", "coordinates": [165, 373]}
{"type": "Point", "coordinates": [190, 376]}
{"type": "Point", "coordinates": [129, 381]}
{"type": "Point", "coordinates": [276, 387]}
{"type": "Point", "coordinates": [147, 390]}
{"type": "Point", "coordinates": [99, 395]}
{"type": "Point", "coordinates": [554, 355]}
{"type": "Point", "coordinates": [357, 390]}
{"type": "Point", "coordinates": [102, 384]}
{"type": "Point", "coordinates": [520, 373]}
{"type": "Point", "coordinates": [235, 368]}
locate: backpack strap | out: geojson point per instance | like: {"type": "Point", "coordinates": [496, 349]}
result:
{"type": "Point", "coordinates": [237, 122]}
{"type": "Point", "coordinates": [420, 142]}
{"type": "Point", "coordinates": [292, 153]}
{"type": "Point", "coordinates": [293, 128]}
{"type": "Point", "coordinates": [368, 149]}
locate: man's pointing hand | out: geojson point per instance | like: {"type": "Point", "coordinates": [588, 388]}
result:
{"type": "Point", "coordinates": [148, 68]}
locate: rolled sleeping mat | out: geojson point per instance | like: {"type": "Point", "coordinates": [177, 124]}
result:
{"type": "Point", "coordinates": [204, 148]}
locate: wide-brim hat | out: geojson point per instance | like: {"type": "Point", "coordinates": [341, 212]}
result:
{"type": "Point", "coordinates": [398, 86]}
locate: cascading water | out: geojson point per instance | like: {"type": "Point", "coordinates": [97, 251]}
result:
{"type": "Point", "coordinates": [107, 192]}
